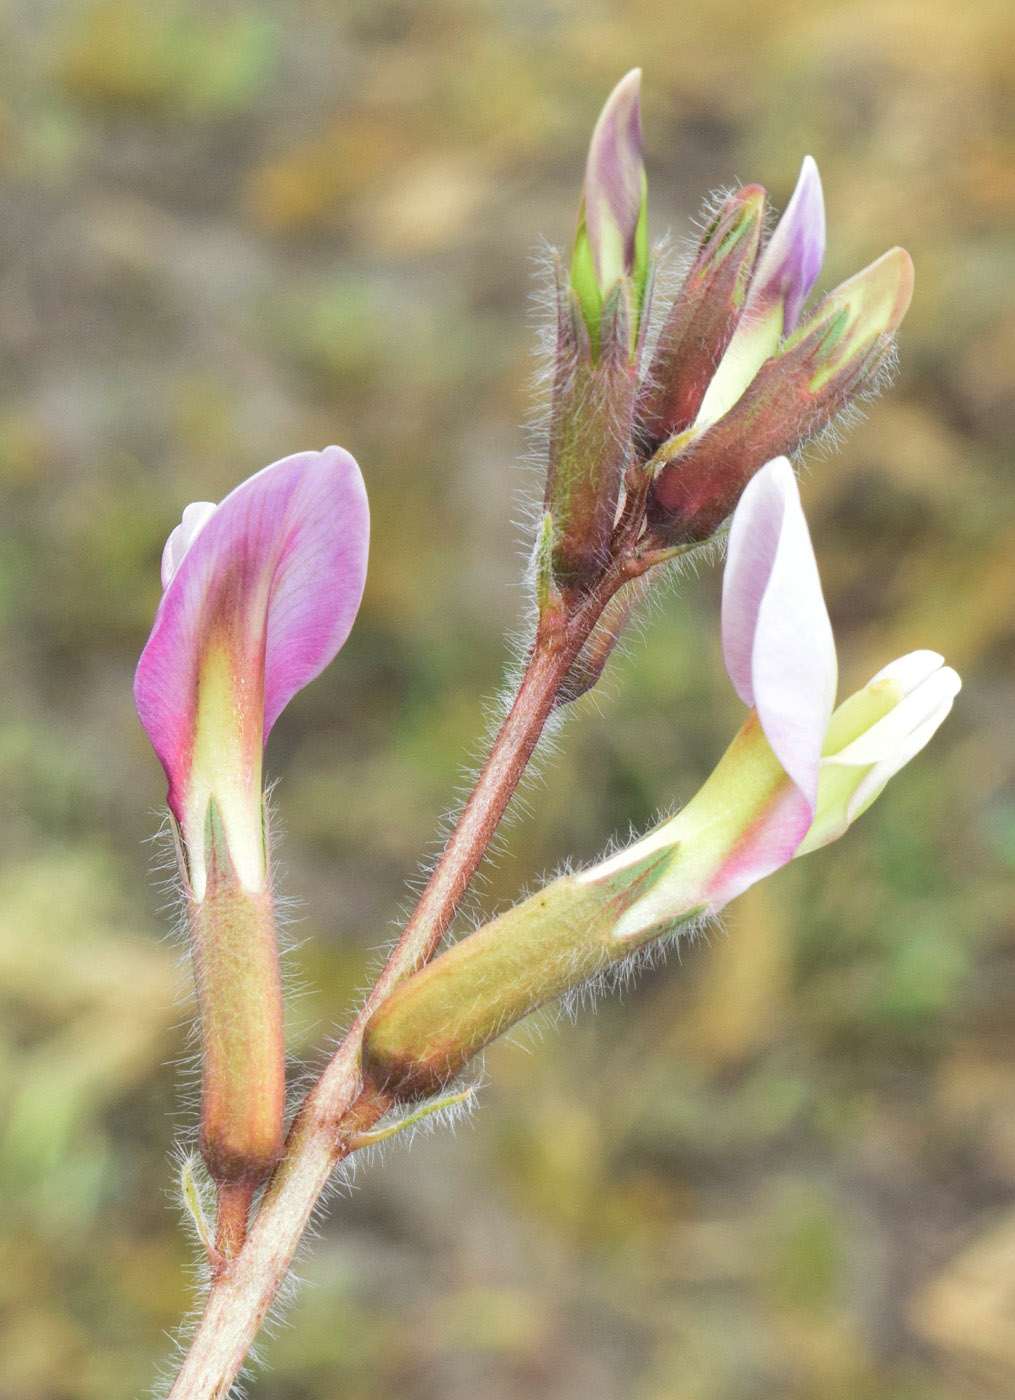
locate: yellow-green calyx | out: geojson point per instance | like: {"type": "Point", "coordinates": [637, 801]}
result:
{"type": "Point", "coordinates": [226, 769]}
{"type": "Point", "coordinates": [236, 965]}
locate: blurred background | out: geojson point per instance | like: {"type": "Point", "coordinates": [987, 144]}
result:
{"type": "Point", "coordinates": [784, 1164]}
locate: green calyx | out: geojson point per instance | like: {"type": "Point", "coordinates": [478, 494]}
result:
{"type": "Point", "coordinates": [428, 1030]}
{"type": "Point", "coordinates": [596, 282]}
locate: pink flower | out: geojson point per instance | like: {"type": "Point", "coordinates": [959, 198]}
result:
{"type": "Point", "coordinates": [260, 592]}
{"type": "Point", "coordinates": [797, 774]}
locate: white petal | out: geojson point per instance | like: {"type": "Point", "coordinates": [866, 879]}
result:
{"type": "Point", "coordinates": [881, 773]}
{"type": "Point", "coordinates": [910, 670]}
{"type": "Point", "coordinates": [928, 702]}
{"type": "Point", "coordinates": [777, 638]}
{"type": "Point", "coordinates": [750, 555]}
{"type": "Point", "coordinates": [195, 518]}
{"type": "Point", "coordinates": [873, 782]}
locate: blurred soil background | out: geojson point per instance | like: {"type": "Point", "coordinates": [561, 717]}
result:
{"type": "Point", "coordinates": [784, 1164]}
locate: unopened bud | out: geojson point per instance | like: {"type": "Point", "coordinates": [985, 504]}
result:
{"type": "Point", "coordinates": [702, 321]}
{"type": "Point", "coordinates": [611, 242]}
{"type": "Point", "coordinates": [831, 359]}
{"type": "Point", "coordinates": [786, 272]}
{"type": "Point", "coordinates": [855, 319]}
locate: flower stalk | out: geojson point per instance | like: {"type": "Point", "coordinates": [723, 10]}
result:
{"type": "Point", "coordinates": [259, 593]}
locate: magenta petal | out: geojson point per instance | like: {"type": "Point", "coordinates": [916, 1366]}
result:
{"type": "Point", "coordinates": [277, 572]}
{"type": "Point", "coordinates": [765, 847]}
{"type": "Point", "coordinates": [777, 639]}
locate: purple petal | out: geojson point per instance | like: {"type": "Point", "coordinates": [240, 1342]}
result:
{"type": "Point", "coordinates": [614, 181]}
{"type": "Point", "coordinates": [777, 639]}
{"type": "Point", "coordinates": [792, 258]}
{"type": "Point", "coordinates": [276, 572]}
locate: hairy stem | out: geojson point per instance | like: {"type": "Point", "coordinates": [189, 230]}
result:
{"type": "Point", "coordinates": [234, 1201]}
{"type": "Point", "coordinates": [244, 1289]}
{"type": "Point", "coordinates": [551, 660]}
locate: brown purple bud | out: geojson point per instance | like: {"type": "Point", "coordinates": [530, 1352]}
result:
{"type": "Point", "coordinates": [702, 320]}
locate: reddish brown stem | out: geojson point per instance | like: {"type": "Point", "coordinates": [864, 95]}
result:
{"type": "Point", "coordinates": [551, 660]}
{"type": "Point", "coordinates": [557, 644]}
{"type": "Point", "coordinates": [234, 1201]}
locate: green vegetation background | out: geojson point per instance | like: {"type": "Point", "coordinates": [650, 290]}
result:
{"type": "Point", "coordinates": [783, 1165]}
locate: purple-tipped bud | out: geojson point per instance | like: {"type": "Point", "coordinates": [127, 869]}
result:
{"type": "Point", "coordinates": [702, 321]}
{"type": "Point", "coordinates": [791, 261]}
{"type": "Point", "coordinates": [611, 243]}
{"type": "Point", "coordinates": [786, 272]}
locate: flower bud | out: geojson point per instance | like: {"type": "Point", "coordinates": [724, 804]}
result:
{"type": "Point", "coordinates": [852, 323]}
{"type": "Point", "coordinates": [702, 320]}
{"type": "Point", "coordinates": [786, 272]}
{"type": "Point", "coordinates": [826, 363]}
{"type": "Point", "coordinates": [611, 242]}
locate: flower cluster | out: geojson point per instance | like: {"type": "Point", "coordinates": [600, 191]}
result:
{"type": "Point", "coordinates": [738, 375]}
{"type": "Point", "coordinates": [649, 450]}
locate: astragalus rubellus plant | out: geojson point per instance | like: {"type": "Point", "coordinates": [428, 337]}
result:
{"type": "Point", "coordinates": [669, 417]}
